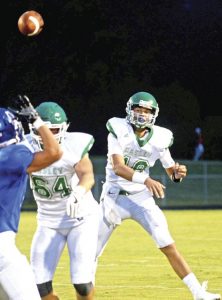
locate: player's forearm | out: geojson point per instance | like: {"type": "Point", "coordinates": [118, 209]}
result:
{"type": "Point", "coordinates": [87, 181]}
{"type": "Point", "coordinates": [50, 144]}
{"type": "Point", "coordinates": [123, 171]}
{"type": "Point", "coordinates": [51, 151]}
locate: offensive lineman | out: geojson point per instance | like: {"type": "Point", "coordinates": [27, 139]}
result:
{"type": "Point", "coordinates": [134, 145]}
{"type": "Point", "coordinates": [67, 211]}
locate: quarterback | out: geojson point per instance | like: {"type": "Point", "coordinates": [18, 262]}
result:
{"type": "Point", "coordinates": [134, 145]}
{"type": "Point", "coordinates": [67, 211]}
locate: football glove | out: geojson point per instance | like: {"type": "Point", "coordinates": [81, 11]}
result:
{"type": "Point", "coordinates": [24, 109]}
{"type": "Point", "coordinates": [73, 205]}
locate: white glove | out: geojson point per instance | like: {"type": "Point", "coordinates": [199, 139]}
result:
{"type": "Point", "coordinates": [74, 202]}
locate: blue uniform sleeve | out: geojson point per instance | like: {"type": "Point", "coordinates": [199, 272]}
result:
{"type": "Point", "coordinates": [21, 159]}
{"type": "Point", "coordinates": [14, 161]}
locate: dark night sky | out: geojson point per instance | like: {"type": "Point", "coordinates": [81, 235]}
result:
{"type": "Point", "coordinates": [92, 43]}
{"type": "Point", "coordinates": [191, 34]}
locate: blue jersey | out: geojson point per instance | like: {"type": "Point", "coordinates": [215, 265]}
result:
{"type": "Point", "coordinates": [14, 160]}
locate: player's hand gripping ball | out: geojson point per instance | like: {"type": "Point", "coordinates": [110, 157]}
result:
{"type": "Point", "coordinates": [30, 23]}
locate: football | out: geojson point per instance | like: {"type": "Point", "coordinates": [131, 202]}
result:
{"type": "Point", "coordinates": [30, 23]}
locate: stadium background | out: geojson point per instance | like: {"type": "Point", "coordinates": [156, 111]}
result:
{"type": "Point", "coordinates": [93, 55]}
{"type": "Point", "coordinates": [90, 57]}
{"type": "Point", "coordinates": [201, 189]}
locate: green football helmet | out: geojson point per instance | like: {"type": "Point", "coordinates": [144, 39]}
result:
{"type": "Point", "coordinates": [54, 117]}
{"type": "Point", "coordinates": [146, 100]}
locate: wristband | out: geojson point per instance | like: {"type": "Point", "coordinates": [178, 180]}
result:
{"type": "Point", "coordinates": [139, 177]}
{"type": "Point", "coordinates": [174, 179]}
{"type": "Point", "coordinates": [38, 123]}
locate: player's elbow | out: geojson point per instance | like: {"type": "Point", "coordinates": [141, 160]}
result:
{"type": "Point", "coordinates": [117, 168]}
{"type": "Point", "coordinates": [92, 181]}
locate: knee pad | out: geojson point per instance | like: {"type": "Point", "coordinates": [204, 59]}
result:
{"type": "Point", "coordinates": [83, 289]}
{"type": "Point", "coordinates": [45, 288]}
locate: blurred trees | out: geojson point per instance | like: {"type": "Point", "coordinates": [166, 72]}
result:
{"type": "Point", "coordinates": [93, 55]}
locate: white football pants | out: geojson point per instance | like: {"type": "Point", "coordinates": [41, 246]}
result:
{"type": "Point", "coordinates": [48, 244]}
{"type": "Point", "coordinates": [17, 280]}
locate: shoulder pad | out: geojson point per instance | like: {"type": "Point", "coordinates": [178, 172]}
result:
{"type": "Point", "coordinates": [162, 137]}
{"type": "Point", "coordinates": [79, 140]}
{"type": "Point", "coordinates": [117, 126]}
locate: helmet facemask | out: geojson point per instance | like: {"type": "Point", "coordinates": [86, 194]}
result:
{"type": "Point", "coordinates": [142, 120]}
{"type": "Point", "coordinates": [58, 131]}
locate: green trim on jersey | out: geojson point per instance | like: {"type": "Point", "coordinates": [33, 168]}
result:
{"type": "Point", "coordinates": [88, 147]}
{"type": "Point", "coordinates": [142, 141]}
{"type": "Point", "coordinates": [110, 129]}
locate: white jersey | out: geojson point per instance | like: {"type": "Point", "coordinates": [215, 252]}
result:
{"type": "Point", "coordinates": [53, 185]}
{"type": "Point", "coordinates": [139, 154]}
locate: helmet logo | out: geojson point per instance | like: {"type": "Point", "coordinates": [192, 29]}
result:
{"type": "Point", "coordinates": [146, 104]}
{"type": "Point", "coordinates": [57, 116]}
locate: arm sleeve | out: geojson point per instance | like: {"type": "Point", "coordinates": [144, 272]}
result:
{"type": "Point", "coordinates": [22, 158]}
{"type": "Point", "coordinates": [88, 146]}
{"type": "Point", "coordinates": [166, 159]}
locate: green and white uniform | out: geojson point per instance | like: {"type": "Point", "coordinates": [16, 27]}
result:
{"type": "Point", "coordinates": [52, 187]}
{"type": "Point", "coordinates": [139, 154]}
{"type": "Point", "coordinates": [122, 199]}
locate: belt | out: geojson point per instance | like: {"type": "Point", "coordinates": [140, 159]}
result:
{"type": "Point", "coordinates": [124, 193]}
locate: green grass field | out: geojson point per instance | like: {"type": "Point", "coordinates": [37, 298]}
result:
{"type": "Point", "coordinates": [132, 268]}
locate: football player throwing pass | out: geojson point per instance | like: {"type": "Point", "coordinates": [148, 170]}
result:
{"type": "Point", "coordinates": [135, 143]}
